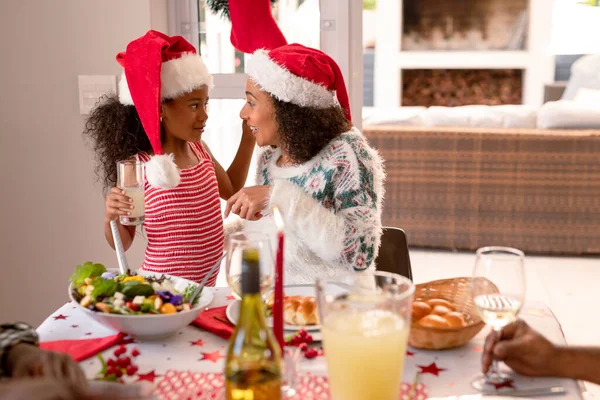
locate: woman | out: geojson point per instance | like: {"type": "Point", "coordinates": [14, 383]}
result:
{"type": "Point", "coordinates": [318, 169]}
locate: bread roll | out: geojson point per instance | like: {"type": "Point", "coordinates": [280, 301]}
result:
{"type": "Point", "coordinates": [306, 314]}
{"type": "Point", "coordinates": [433, 321]}
{"type": "Point", "coordinates": [419, 310]}
{"type": "Point", "coordinates": [441, 302]}
{"type": "Point", "coordinates": [455, 319]}
{"type": "Point", "coordinates": [290, 305]}
{"type": "Point", "coordinates": [440, 310]}
{"type": "Point", "coordinates": [300, 310]}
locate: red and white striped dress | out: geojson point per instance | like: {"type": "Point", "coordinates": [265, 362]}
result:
{"type": "Point", "coordinates": [184, 225]}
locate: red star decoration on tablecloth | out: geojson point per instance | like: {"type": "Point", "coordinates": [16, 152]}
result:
{"type": "Point", "coordinates": [507, 384]}
{"type": "Point", "coordinates": [198, 342]}
{"type": "Point", "coordinates": [60, 316]}
{"type": "Point", "coordinates": [409, 353]}
{"type": "Point", "coordinates": [74, 326]}
{"type": "Point", "coordinates": [431, 369]}
{"type": "Point", "coordinates": [150, 377]}
{"type": "Point", "coordinates": [214, 356]}
{"type": "Point", "coordinates": [230, 298]}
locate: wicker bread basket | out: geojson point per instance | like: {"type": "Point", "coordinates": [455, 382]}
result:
{"type": "Point", "coordinates": [458, 292]}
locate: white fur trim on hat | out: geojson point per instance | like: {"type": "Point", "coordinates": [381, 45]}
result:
{"type": "Point", "coordinates": [178, 76]}
{"type": "Point", "coordinates": [285, 86]}
{"type": "Point", "coordinates": [162, 172]}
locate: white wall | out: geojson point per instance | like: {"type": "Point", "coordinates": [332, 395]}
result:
{"type": "Point", "coordinates": [52, 211]}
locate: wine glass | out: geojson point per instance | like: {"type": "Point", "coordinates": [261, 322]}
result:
{"type": "Point", "coordinates": [498, 291]}
{"type": "Point", "coordinates": [236, 244]}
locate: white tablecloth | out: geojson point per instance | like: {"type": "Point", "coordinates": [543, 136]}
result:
{"type": "Point", "coordinates": [444, 373]}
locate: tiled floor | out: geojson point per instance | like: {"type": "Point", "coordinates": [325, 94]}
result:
{"type": "Point", "coordinates": [564, 283]}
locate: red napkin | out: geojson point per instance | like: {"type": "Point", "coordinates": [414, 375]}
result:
{"type": "Point", "coordinates": [207, 321]}
{"type": "Point", "coordinates": [84, 348]}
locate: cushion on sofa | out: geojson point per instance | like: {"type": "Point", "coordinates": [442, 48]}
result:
{"type": "Point", "coordinates": [585, 73]}
{"type": "Point", "coordinates": [505, 116]}
{"type": "Point", "coordinates": [393, 116]}
{"type": "Point", "coordinates": [568, 114]}
{"type": "Point", "coordinates": [588, 96]}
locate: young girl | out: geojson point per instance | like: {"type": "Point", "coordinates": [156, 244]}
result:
{"type": "Point", "coordinates": [159, 118]}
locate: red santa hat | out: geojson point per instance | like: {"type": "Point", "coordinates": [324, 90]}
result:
{"type": "Point", "coordinates": [157, 67]}
{"type": "Point", "coordinates": [300, 75]}
{"type": "Point", "coordinates": [291, 72]}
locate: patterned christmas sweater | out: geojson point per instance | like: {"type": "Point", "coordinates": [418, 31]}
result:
{"type": "Point", "coordinates": [331, 207]}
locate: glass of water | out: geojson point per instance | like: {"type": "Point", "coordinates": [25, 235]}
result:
{"type": "Point", "coordinates": [130, 178]}
{"type": "Point", "coordinates": [498, 290]}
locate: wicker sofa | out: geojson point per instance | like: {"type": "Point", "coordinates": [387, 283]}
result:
{"type": "Point", "coordinates": [463, 188]}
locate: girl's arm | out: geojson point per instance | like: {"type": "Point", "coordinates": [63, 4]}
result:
{"type": "Point", "coordinates": [117, 203]}
{"type": "Point", "coordinates": [127, 234]}
{"type": "Point", "coordinates": [232, 180]}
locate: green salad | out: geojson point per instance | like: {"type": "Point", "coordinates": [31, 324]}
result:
{"type": "Point", "coordinates": [100, 290]}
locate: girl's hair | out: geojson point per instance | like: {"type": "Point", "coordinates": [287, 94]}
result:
{"type": "Point", "coordinates": [116, 133]}
{"type": "Point", "coordinates": [304, 131]}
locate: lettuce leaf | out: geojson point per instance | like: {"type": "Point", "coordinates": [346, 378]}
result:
{"type": "Point", "coordinates": [84, 271]}
{"type": "Point", "coordinates": [103, 287]}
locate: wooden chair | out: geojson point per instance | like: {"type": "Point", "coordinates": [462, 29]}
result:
{"type": "Point", "coordinates": [393, 253]}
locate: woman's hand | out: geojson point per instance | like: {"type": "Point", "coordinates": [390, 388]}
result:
{"type": "Point", "coordinates": [117, 204]}
{"type": "Point", "coordinates": [26, 360]}
{"type": "Point", "coordinates": [249, 202]}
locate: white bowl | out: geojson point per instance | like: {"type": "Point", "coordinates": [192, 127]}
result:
{"type": "Point", "coordinates": [151, 326]}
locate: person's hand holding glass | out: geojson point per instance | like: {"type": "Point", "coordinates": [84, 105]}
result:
{"type": "Point", "coordinates": [130, 179]}
{"type": "Point", "coordinates": [498, 290]}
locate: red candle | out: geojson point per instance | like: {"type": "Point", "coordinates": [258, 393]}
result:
{"type": "Point", "coordinates": [278, 291]}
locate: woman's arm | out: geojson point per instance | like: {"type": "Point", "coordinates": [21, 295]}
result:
{"type": "Point", "coordinates": [232, 180]}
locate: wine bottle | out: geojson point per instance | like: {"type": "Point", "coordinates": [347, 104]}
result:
{"type": "Point", "coordinates": [253, 364]}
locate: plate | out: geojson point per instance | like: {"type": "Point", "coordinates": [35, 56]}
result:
{"type": "Point", "coordinates": [233, 313]}
{"type": "Point", "coordinates": [233, 310]}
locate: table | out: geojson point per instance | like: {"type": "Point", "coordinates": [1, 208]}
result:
{"type": "Point", "coordinates": [443, 373]}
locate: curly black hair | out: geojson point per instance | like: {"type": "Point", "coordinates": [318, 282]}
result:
{"type": "Point", "coordinates": [116, 133]}
{"type": "Point", "coordinates": [304, 131]}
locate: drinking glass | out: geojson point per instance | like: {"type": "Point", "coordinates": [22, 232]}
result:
{"type": "Point", "coordinates": [130, 178]}
{"type": "Point", "coordinates": [365, 322]}
{"type": "Point", "coordinates": [498, 291]}
{"type": "Point", "coordinates": [236, 244]}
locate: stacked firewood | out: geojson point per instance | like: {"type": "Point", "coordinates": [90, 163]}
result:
{"type": "Point", "coordinates": [459, 87]}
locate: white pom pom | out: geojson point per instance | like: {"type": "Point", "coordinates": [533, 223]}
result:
{"type": "Point", "coordinates": [162, 172]}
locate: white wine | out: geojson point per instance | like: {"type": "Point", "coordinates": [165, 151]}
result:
{"type": "Point", "coordinates": [235, 284]}
{"type": "Point", "coordinates": [253, 384]}
{"type": "Point", "coordinates": [497, 310]}
{"type": "Point", "coordinates": [253, 364]}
